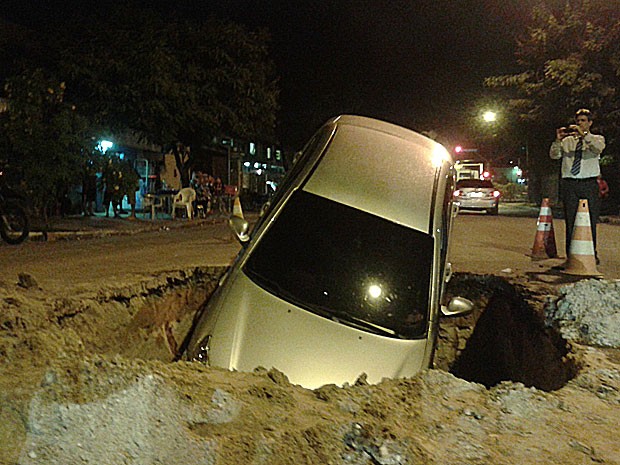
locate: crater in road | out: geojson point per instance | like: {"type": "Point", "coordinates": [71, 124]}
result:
{"type": "Point", "coordinates": [504, 339]}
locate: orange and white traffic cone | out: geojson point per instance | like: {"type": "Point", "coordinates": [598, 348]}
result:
{"type": "Point", "coordinates": [581, 258]}
{"type": "Point", "coordinates": [544, 242]}
{"type": "Point", "coordinates": [237, 211]}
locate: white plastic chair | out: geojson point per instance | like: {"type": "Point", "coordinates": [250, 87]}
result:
{"type": "Point", "coordinates": [152, 202]}
{"type": "Point", "coordinates": [184, 199]}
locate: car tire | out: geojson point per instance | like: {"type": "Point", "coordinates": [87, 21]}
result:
{"type": "Point", "coordinates": [493, 211]}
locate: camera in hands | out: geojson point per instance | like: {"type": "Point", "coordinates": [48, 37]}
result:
{"type": "Point", "coordinates": [568, 131]}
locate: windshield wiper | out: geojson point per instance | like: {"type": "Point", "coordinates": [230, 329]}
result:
{"type": "Point", "coordinates": [337, 316]}
{"type": "Point", "coordinates": [275, 288]}
{"type": "Point", "coordinates": [350, 320]}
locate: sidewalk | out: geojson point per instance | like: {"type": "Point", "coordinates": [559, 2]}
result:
{"type": "Point", "coordinates": [83, 227]}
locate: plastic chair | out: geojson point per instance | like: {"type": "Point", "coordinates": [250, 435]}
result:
{"type": "Point", "coordinates": [184, 199]}
{"type": "Point", "coordinates": [152, 202]}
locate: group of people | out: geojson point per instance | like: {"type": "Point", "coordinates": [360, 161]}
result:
{"type": "Point", "coordinates": [118, 179]}
{"type": "Point", "coordinates": [579, 151]}
{"type": "Point", "coordinates": [209, 192]}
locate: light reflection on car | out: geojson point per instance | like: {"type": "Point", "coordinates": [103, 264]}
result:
{"type": "Point", "coordinates": [344, 273]}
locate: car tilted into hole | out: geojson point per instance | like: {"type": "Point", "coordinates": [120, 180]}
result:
{"type": "Point", "coordinates": [344, 272]}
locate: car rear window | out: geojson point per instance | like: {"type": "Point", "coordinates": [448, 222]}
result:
{"type": "Point", "coordinates": [473, 183]}
{"type": "Point", "coordinates": [346, 265]}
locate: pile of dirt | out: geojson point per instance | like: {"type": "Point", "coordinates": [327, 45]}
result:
{"type": "Point", "coordinates": [588, 312]}
{"type": "Point", "coordinates": [91, 378]}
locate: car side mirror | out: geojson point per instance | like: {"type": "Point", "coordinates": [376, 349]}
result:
{"type": "Point", "coordinates": [458, 306]}
{"type": "Point", "coordinates": [264, 208]}
{"type": "Point", "coordinates": [240, 227]}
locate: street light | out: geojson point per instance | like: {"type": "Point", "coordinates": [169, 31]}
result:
{"type": "Point", "coordinates": [488, 126]}
{"type": "Point", "coordinates": [105, 145]}
{"type": "Point", "coordinates": [489, 116]}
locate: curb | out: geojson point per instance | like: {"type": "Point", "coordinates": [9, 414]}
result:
{"type": "Point", "coordinates": [615, 220]}
{"type": "Point", "coordinates": [128, 229]}
{"type": "Point", "coordinates": [39, 236]}
{"type": "Point", "coordinates": [166, 225]}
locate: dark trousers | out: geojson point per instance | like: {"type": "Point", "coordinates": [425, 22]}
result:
{"type": "Point", "coordinates": [572, 190]}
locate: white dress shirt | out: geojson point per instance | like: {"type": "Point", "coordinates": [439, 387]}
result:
{"type": "Point", "coordinates": [593, 146]}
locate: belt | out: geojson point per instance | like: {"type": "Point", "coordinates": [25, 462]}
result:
{"type": "Point", "coordinates": [580, 179]}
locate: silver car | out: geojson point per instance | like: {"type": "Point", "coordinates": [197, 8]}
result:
{"type": "Point", "coordinates": [345, 271]}
{"type": "Point", "coordinates": [477, 194]}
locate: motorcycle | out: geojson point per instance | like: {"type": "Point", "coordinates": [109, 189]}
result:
{"type": "Point", "coordinates": [14, 222]}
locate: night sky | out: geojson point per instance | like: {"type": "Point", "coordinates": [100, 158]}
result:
{"type": "Point", "coordinates": [415, 63]}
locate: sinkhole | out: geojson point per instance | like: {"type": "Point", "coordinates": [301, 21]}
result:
{"type": "Point", "coordinates": [504, 339]}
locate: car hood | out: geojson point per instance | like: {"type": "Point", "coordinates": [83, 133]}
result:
{"type": "Point", "coordinates": [258, 329]}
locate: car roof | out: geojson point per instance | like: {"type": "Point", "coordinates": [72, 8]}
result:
{"type": "Point", "coordinates": [383, 169]}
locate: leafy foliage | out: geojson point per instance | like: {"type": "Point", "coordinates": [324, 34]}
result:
{"type": "Point", "coordinates": [172, 82]}
{"type": "Point", "coordinates": [175, 83]}
{"type": "Point", "coordinates": [570, 59]}
{"type": "Point", "coordinates": [42, 136]}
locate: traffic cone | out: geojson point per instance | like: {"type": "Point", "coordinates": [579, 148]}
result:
{"type": "Point", "coordinates": [581, 258]}
{"type": "Point", "coordinates": [237, 208]}
{"type": "Point", "coordinates": [544, 242]}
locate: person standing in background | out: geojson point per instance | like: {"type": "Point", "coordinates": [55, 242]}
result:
{"type": "Point", "coordinates": [89, 189]}
{"type": "Point", "coordinates": [580, 152]}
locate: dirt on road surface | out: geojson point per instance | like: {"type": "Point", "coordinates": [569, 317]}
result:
{"type": "Point", "coordinates": [93, 375]}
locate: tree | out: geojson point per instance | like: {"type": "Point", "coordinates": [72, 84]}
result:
{"type": "Point", "coordinates": [43, 137]}
{"type": "Point", "coordinates": [570, 58]}
{"type": "Point", "coordinates": [176, 83]}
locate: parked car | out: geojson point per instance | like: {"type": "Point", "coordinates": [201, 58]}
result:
{"type": "Point", "coordinates": [477, 194]}
{"type": "Point", "coordinates": [345, 271]}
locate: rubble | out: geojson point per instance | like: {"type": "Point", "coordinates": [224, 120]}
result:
{"type": "Point", "coordinates": [91, 378]}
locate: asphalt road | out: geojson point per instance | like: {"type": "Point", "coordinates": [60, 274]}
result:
{"type": "Point", "coordinates": [480, 244]}
{"type": "Point", "coordinates": [501, 244]}
{"type": "Point", "coordinates": [79, 264]}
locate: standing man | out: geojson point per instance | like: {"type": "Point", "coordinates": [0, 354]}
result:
{"type": "Point", "coordinates": [580, 151]}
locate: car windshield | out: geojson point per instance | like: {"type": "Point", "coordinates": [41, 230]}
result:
{"type": "Point", "coordinates": [347, 265]}
{"type": "Point", "coordinates": [474, 183]}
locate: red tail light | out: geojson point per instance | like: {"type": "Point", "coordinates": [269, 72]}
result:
{"type": "Point", "coordinates": [496, 194]}
{"type": "Point", "coordinates": [457, 193]}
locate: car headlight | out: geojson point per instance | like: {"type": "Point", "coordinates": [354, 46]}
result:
{"type": "Point", "coordinates": [201, 354]}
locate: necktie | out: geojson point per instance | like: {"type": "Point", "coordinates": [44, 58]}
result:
{"type": "Point", "coordinates": [577, 160]}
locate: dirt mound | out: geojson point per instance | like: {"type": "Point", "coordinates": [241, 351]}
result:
{"type": "Point", "coordinates": [588, 312]}
{"type": "Point", "coordinates": [91, 378]}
